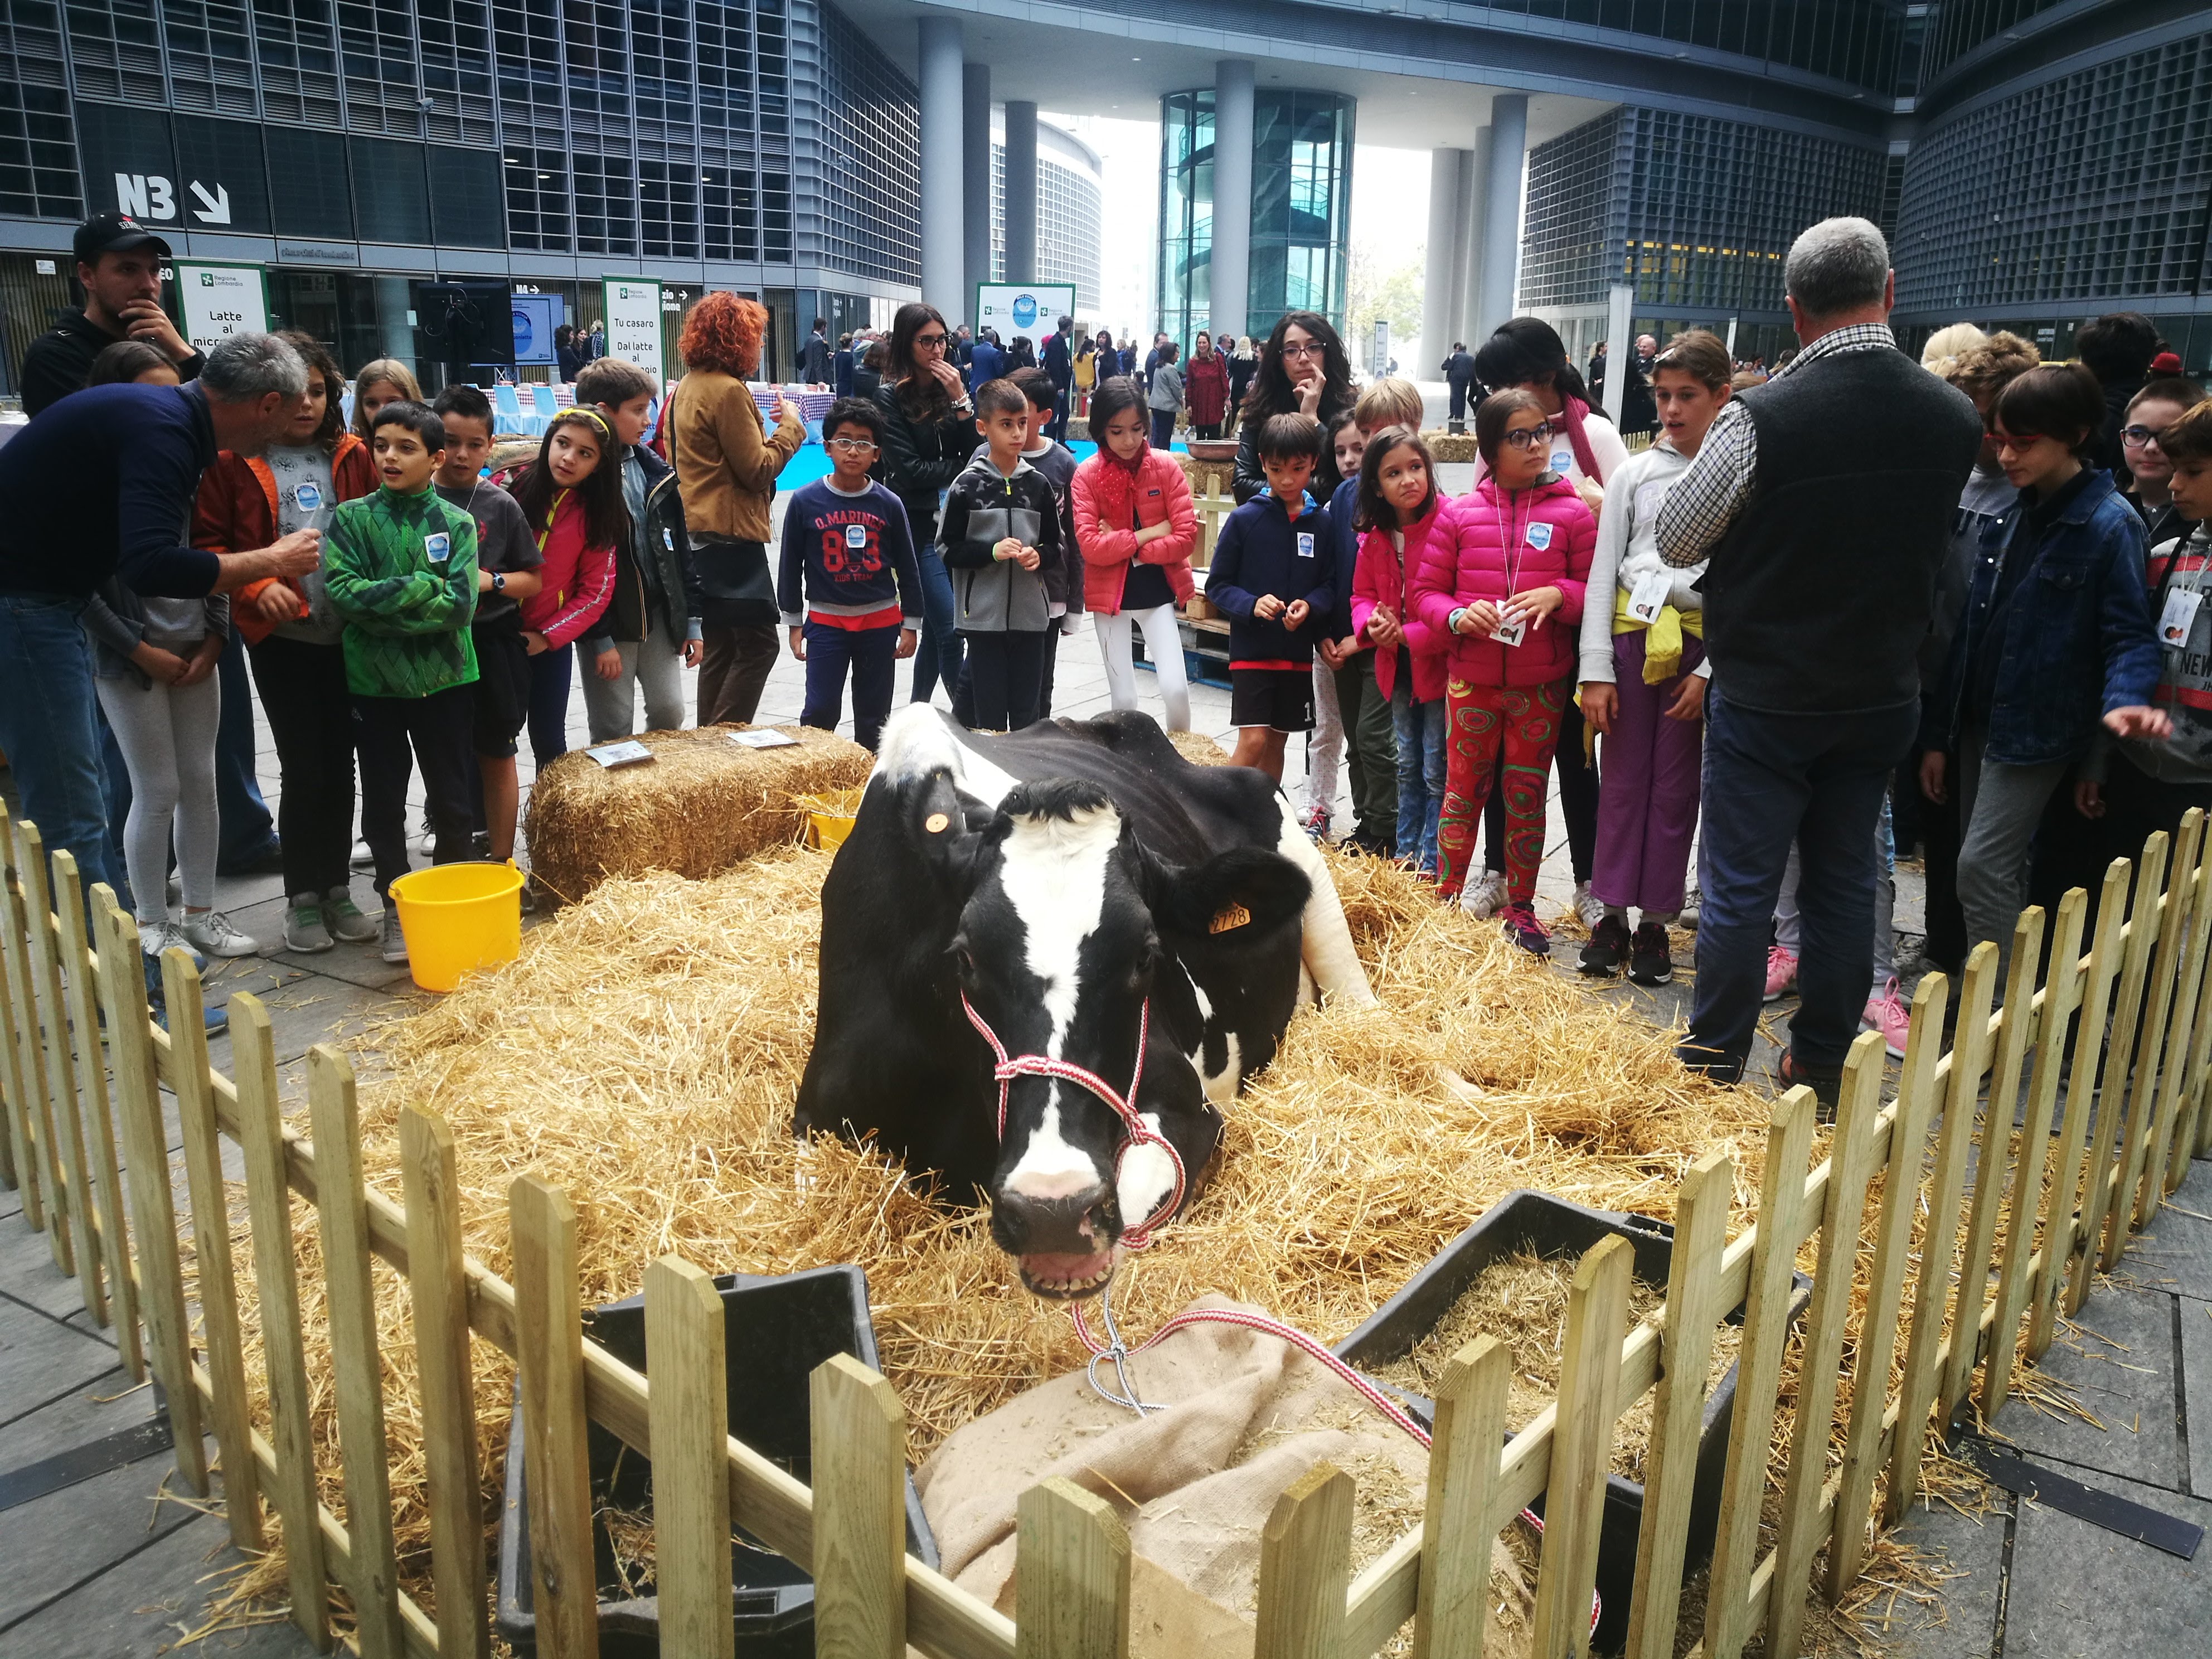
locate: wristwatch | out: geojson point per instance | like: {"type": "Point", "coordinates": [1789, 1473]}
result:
{"type": "Point", "coordinates": [499, 581]}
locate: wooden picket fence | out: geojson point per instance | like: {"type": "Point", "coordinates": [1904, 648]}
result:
{"type": "Point", "coordinates": [1995, 1266]}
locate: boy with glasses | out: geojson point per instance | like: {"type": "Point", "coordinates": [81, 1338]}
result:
{"type": "Point", "coordinates": [849, 589]}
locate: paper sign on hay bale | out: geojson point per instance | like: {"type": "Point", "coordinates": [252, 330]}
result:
{"type": "Point", "coordinates": [703, 805]}
{"type": "Point", "coordinates": [1247, 1415]}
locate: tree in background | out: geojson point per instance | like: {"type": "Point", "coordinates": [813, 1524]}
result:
{"type": "Point", "coordinates": [1390, 294]}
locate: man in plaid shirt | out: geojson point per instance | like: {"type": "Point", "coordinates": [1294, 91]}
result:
{"type": "Point", "coordinates": [1822, 500]}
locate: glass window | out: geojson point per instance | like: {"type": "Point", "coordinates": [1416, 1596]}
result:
{"type": "Point", "coordinates": [465, 209]}
{"type": "Point", "coordinates": [309, 195]}
{"type": "Point", "coordinates": [391, 191]}
{"type": "Point", "coordinates": [37, 153]}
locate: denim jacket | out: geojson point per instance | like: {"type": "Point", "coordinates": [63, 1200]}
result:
{"type": "Point", "coordinates": [2078, 638]}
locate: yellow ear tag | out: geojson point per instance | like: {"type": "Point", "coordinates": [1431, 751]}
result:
{"type": "Point", "coordinates": [1233, 916]}
{"type": "Point", "coordinates": [935, 824]}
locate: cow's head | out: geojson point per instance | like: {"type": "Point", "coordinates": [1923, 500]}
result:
{"type": "Point", "coordinates": [1062, 917]}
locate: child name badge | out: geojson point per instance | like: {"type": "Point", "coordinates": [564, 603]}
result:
{"type": "Point", "coordinates": [611, 754]}
{"type": "Point", "coordinates": [1540, 537]}
{"type": "Point", "coordinates": [763, 736]}
{"type": "Point", "coordinates": [1305, 544]}
{"type": "Point", "coordinates": [1510, 633]}
{"type": "Point", "coordinates": [438, 547]}
{"type": "Point", "coordinates": [1561, 460]}
{"type": "Point", "coordinates": [2179, 616]}
{"type": "Point", "coordinates": [307, 497]}
{"type": "Point", "coordinates": [1649, 596]}
{"type": "Point", "coordinates": [856, 537]}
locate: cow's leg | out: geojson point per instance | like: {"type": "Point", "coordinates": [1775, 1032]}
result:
{"type": "Point", "coordinates": [1326, 951]}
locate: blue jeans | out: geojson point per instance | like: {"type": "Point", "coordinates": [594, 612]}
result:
{"type": "Point", "coordinates": [1818, 779]}
{"type": "Point", "coordinates": [551, 674]}
{"type": "Point", "coordinates": [1421, 729]}
{"type": "Point", "coordinates": [940, 654]}
{"type": "Point", "coordinates": [870, 653]}
{"type": "Point", "coordinates": [49, 728]}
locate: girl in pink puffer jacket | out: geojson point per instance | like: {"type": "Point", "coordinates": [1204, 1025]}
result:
{"type": "Point", "coordinates": [1506, 589]}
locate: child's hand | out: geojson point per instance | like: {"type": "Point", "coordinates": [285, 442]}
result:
{"type": "Point", "coordinates": [1267, 607]}
{"type": "Point", "coordinates": [1382, 626]}
{"type": "Point", "coordinates": [1331, 653]}
{"type": "Point", "coordinates": [1689, 703]}
{"type": "Point", "coordinates": [2089, 798]}
{"type": "Point", "coordinates": [162, 667]}
{"type": "Point", "coordinates": [908, 639]}
{"type": "Point", "coordinates": [607, 664]}
{"type": "Point", "coordinates": [798, 643]}
{"type": "Point", "coordinates": [1296, 612]}
{"type": "Point", "coordinates": [1006, 547]}
{"type": "Point", "coordinates": [1931, 775]}
{"type": "Point", "coordinates": [1480, 617]}
{"type": "Point", "coordinates": [201, 663]}
{"type": "Point", "coordinates": [534, 643]}
{"type": "Point", "coordinates": [1029, 558]}
{"type": "Point", "coordinates": [275, 604]}
{"type": "Point", "coordinates": [1601, 703]}
{"type": "Point", "coordinates": [2139, 722]}
{"type": "Point", "coordinates": [693, 651]}
{"type": "Point", "coordinates": [1533, 606]}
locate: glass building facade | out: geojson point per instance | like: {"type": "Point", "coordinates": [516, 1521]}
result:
{"type": "Point", "coordinates": [1070, 214]}
{"type": "Point", "coordinates": [1301, 206]}
{"type": "Point", "coordinates": [767, 146]}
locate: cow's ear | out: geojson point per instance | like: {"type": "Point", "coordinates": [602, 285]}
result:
{"type": "Point", "coordinates": [1246, 887]}
{"type": "Point", "coordinates": [939, 827]}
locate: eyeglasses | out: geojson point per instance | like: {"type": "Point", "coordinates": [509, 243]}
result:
{"type": "Point", "coordinates": [926, 340]}
{"type": "Point", "coordinates": [1304, 348]}
{"type": "Point", "coordinates": [2135, 437]}
{"type": "Point", "coordinates": [2019, 442]}
{"type": "Point", "coordinates": [853, 446]}
{"type": "Point", "coordinates": [1529, 437]}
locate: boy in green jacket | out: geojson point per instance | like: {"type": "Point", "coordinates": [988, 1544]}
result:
{"type": "Point", "coordinates": [400, 567]}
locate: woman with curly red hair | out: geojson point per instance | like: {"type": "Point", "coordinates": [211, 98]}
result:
{"type": "Point", "coordinates": [726, 463]}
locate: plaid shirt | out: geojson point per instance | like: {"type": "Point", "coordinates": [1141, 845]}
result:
{"type": "Point", "coordinates": [1703, 501]}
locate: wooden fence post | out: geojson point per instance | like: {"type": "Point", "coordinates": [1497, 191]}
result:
{"type": "Point", "coordinates": [218, 1287]}
{"type": "Point", "coordinates": [15, 1140]}
{"type": "Point", "coordinates": [1305, 1565]}
{"type": "Point", "coordinates": [2062, 1223]}
{"type": "Point", "coordinates": [2119, 1044]}
{"type": "Point", "coordinates": [1670, 1463]}
{"type": "Point", "coordinates": [2192, 1077]}
{"type": "Point", "coordinates": [342, 1217]}
{"type": "Point", "coordinates": [146, 1172]}
{"type": "Point", "coordinates": [1582, 1449]}
{"type": "Point", "coordinates": [67, 1137]}
{"type": "Point", "coordinates": [549, 1317]}
{"type": "Point", "coordinates": [268, 1202]}
{"type": "Point", "coordinates": [1071, 1575]}
{"type": "Point", "coordinates": [684, 1348]}
{"type": "Point", "coordinates": [72, 939]}
{"type": "Point", "coordinates": [24, 1075]}
{"type": "Point", "coordinates": [2180, 1042]}
{"type": "Point", "coordinates": [1453, 1615]}
{"type": "Point", "coordinates": [436, 1277]}
{"type": "Point", "coordinates": [1766, 1333]}
{"type": "Point", "coordinates": [1893, 1260]}
{"type": "Point", "coordinates": [858, 1437]}
{"type": "Point", "coordinates": [2158, 1001]}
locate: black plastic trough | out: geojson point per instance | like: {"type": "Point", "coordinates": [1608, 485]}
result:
{"type": "Point", "coordinates": [778, 1328]}
{"type": "Point", "coordinates": [1550, 1228]}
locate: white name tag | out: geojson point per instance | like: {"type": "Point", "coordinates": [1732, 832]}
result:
{"type": "Point", "coordinates": [1510, 633]}
{"type": "Point", "coordinates": [1649, 596]}
{"type": "Point", "coordinates": [620, 754]}
{"type": "Point", "coordinates": [2179, 616]}
{"type": "Point", "coordinates": [856, 536]}
{"type": "Point", "coordinates": [1305, 544]}
{"type": "Point", "coordinates": [763, 736]}
{"type": "Point", "coordinates": [438, 547]}
{"type": "Point", "coordinates": [1540, 537]}
{"type": "Point", "coordinates": [307, 497]}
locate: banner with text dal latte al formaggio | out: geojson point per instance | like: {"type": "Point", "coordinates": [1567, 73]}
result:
{"type": "Point", "coordinates": [633, 318]}
{"type": "Point", "coordinates": [1033, 309]}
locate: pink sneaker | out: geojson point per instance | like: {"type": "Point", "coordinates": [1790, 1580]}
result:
{"type": "Point", "coordinates": [1888, 1014]}
{"type": "Point", "coordinates": [1781, 972]}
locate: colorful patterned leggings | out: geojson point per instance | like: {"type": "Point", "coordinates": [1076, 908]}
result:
{"type": "Point", "coordinates": [1523, 720]}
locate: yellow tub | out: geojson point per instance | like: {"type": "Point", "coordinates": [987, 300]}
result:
{"type": "Point", "coordinates": [458, 919]}
{"type": "Point", "coordinates": [829, 816]}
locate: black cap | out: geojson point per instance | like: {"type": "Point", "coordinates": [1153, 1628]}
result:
{"type": "Point", "coordinates": [113, 233]}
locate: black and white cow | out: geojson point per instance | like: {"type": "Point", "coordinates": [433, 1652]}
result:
{"type": "Point", "coordinates": [1064, 879]}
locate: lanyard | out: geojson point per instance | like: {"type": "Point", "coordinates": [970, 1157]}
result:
{"type": "Point", "coordinates": [1512, 544]}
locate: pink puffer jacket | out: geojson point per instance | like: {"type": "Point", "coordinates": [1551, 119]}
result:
{"type": "Point", "coordinates": [1508, 542]}
{"type": "Point", "coordinates": [1378, 579]}
{"type": "Point", "coordinates": [1109, 505]}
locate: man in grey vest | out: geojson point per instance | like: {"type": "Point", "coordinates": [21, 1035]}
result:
{"type": "Point", "coordinates": [1823, 500]}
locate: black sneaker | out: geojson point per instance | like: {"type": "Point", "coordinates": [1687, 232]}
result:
{"type": "Point", "coordinates": [1650, 958]}
{"type": "Point", "coordinates": [1525, 931]}
{"type": "Point", "coordinates": [1608, 947]}
{"type": "Point", "coordinates": [1826, 1086]}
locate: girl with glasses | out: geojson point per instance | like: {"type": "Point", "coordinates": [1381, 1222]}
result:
{"type": "Point", "coordinates": [929, 433]}
{"type": "Point", "coordinates": [2150, 492]}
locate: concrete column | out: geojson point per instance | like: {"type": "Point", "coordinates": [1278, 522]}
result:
{"type": "Point", "coordinates": [975, 173]}
{"type": "Point", "coordinates": [943, 239]}
{"type": "Point", "coordinates": [1231, 278]}
{"type": "Point", "coordinates": [1501, 233]}
{"type": "Point", "coordinates": [1021, 193]}
{"type": "Point", "coordinates": [1474, 206]}
{"type": "Point", "coordinates": [1440, 305]}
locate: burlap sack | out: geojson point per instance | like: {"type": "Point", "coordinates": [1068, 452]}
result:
{"type": "Point", "coordinates": [1247, 1415]}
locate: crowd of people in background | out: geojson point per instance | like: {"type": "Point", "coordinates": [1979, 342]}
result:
{"type": "Point", "coordinates": [1775, 627]}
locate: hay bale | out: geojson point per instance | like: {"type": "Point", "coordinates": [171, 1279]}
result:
{"type": "Point", "coordinates": [1199, 749]}
{"type": "Point", "coordinates": [1448, 446]}
{"type": "Point", "coordinates": [704, 805]}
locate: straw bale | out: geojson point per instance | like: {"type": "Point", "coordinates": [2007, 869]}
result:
{"type": "Point", "coordinates": [1199, 749]}
{"type": "Point", "coordinates": [702, 806]}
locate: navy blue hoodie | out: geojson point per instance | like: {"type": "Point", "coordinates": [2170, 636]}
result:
{"type": "Point", "coordinates": [1261, 550]}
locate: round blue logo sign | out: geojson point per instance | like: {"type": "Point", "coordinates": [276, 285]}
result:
{"type": "Point", "coordinates": [522, 332]}
{"type": "Point", "coordinates": [1026, 311]}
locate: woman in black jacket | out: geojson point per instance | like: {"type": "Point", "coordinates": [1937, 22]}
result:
{"type": "Point", "coordinates": [929, 433]}
{"type": "Point", "coordinates": [1303, 370]}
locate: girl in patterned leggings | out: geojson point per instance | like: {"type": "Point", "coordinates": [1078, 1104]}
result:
{"type": "Point", "coordinates": [1507, 588]}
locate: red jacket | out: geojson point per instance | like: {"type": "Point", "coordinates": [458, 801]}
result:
{"type": "Point", "coordinates": [1507, 542]}
{"type": "Point", "coordinates": [1206, 388]}
{"type": "Point", "coordinates": [236, 512]}
{"type": "Point", "coordinates": [577, 581]}
{"type": "Point", "coordinates": [1110, 506]}
{"type": "Point", "coordinates": [1377, 580]}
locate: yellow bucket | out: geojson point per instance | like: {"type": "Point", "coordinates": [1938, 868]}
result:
{"type": "Point", "coordinates": [459, 918]}
{"type": "Point", "coordinates": [829, 816]}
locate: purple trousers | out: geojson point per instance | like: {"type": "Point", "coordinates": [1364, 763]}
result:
{"type": "Point", "coordinates": [1647, 803]}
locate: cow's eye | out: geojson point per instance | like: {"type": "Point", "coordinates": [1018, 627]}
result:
{"type": "Point", "coordinates": [963, 962]}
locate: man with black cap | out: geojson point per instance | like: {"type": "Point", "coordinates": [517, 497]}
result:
{"type": "Point", "coordinates": [118, 265]}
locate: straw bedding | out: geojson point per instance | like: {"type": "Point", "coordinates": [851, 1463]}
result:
{"type": "Point", "coordinates": [702, 806]}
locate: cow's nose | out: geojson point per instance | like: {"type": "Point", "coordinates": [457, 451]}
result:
{"type": "Point", "coordinates": [1075, 1224]}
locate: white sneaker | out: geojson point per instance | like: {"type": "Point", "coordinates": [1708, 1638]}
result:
{"type": "Point", "coordinates": [1484, 898]}
{"type": "Point", "coordinates": [1589, 908]}
{"type": "Point", "coordinates": [1691, 901]}
{"type": "Point", "coordinates": [210, 931]}
{"type": "Point", "coordinates": [155, 937]}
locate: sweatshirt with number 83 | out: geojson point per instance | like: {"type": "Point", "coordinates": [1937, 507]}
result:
{"type": "Point", "coordinates": [401, 573]}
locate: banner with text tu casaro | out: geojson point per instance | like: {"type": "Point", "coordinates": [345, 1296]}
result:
{"type": "Point", "coordinates": [633, 306]}
{"type": "Point", "coordinates": [220, 300]}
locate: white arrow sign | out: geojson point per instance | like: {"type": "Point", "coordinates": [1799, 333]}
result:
{"type": "Point", "coordinates": [213, 210]}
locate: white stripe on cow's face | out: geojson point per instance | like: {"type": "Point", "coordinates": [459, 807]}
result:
{"type": "Point", "coordinates": [1050, 1167]}
{"type": "Point", "coordinates": [918, 740]}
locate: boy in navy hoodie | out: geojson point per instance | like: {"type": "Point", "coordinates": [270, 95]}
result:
{"type": "Point", "coordinates": [1272, 572]}
{"type": "Point", "coordinates": [849, 589]}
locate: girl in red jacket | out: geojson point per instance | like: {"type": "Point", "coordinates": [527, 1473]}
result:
{"type": "Point", "coordinates": [572, 499]}
{"type": "Point", "coordinates": [1136, 527]}
{"type": "Point", "coordinates": [1507, 590]}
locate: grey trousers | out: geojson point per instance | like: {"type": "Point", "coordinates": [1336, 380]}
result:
{"type": "Point", "coordinates": [2000, 805]}
{"type": "Point", "coordinates": [656, 667]}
